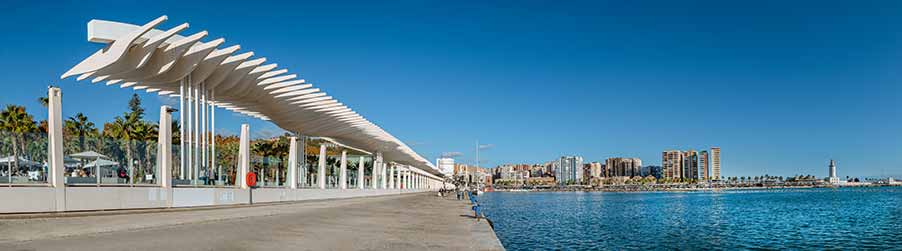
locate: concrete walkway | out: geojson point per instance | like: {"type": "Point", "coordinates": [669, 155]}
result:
{"type": "Point", "coordinates": [403, 222]}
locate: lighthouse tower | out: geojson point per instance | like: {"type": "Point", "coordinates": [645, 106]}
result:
{"type": "Point", "coordinates": [833, 178]}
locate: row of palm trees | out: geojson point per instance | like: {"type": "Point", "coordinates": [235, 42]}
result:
{"type": "Point", "coordinates": [129, 137]}
{"type": "Point", "coordinates": [125, 135]}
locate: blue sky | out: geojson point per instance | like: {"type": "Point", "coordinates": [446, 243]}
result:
{"type": "Point", "coordinates": [780, 86]}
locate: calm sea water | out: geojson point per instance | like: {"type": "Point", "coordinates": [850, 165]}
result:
{"type": "Point", "coordinates": [847, 218]}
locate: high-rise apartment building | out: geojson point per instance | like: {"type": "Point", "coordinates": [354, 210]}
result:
{"type": "Point", "coordinates": [690, 165]}
{"type": "Point", "coordinates": [595, 170]}
{"type": "Point", "coordinates": [715, 163]}
{"type": "Point", "coordinates": [569, 170]}
{"type": "Point", "coordinates": [623, 167]}
{"type": "Point", "coordinates": [672, 164]}
{"type": "Point", "coordinates": [705, 164]}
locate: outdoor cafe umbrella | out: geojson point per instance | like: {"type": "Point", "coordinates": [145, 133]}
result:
{"type": "Point", "coordinates": [8, 160]}
{"type": "Point", "coordinates": [89, 155]}
{"type": "Point", "coordinates": [100, 163]}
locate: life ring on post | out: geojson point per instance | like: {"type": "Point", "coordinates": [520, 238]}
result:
{"type": "Point", "coordinates": [251, 179]}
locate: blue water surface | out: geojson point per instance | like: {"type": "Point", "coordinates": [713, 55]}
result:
{"type": "Point", "coordinates": [810, 219]}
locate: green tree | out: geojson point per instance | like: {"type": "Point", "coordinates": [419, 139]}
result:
{"type": "Point", "coordinates": [80, 127]}
{"type": "Point", "coordinates": [15, 120]}
{"type": "Point", "coordinates": [145, 134]}
{"type": "Point", "coordinates": [122, 129]}
{"type": "Point", "coordinates": [134, 106]}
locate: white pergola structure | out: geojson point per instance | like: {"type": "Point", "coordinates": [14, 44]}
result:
{"type": "Point", "coordinates": [204, 76]}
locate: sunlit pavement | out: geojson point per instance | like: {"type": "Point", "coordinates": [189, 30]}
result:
{"type": "Point", "coordinates": [405, 222]}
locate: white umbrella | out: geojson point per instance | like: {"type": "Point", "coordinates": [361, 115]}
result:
{"type": "Point", "coordinates": [22, 161]}
{"type": "Point", "coordinates": [101, 162]}
{"type": "Point", "coordinates": [102, 167]}
{"type": "Point", "coordinates": [88, 155]}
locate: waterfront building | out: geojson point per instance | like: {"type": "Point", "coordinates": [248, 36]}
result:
{"type": "Point", "coordinates": [690, 164]}
{"type": "Point", "coordinates": [512, 173]}
{"type": "Point", "coordinates": [595, 170]}
{"type": "Point", "coordinates": [568, 170]}
{"type": "Point", "coordinates": [653, 171]}
{"type": "Point", "coordinates": [623, 167]}
{"type": "Point", "coordinates": [538, 171]}
{"type": "Point", "coordinates": [445, 165]}
{"type": "Point", "coordinates": [472, 174]}
{"type": "Point", "coordinates": [672, 164]}
{"type": "Point", "coordinates": [715, 163]}
{"type": "Point", "coordinates": [705, 164]}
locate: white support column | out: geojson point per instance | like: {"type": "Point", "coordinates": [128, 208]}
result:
{"type": "Point", "coordinates": [213, 139]}
{"type": "Point", "coordinates": [189, 131]}
{"type": "Point", "coordinates": [343, 174]}
{"type": "Point", "coordinates": [182, 158]}
{"type": "Point", "coordinates": [321, 174]}
{"type": "Point", "coordinates": [407, 178]}
{"type": "Point", "coordinates": [360, 167]}
{"type": "Point", "coordinates": [391, 177]}
{"type": "Point", "coordinates": [401, 184]}
{"type": "Point", "coordinates": [56, 166]}
{"type": "Point", "coordinates": [397, 172]}
{"type": "Point", "coordinates": [203, 131]}
{"type": "Point", "coordinates": [374, 172]}
{"type": "Point", "coordinates": [384, 173]}
{"type": "Point", "coordinates": [302, 162]}
{"type": "Point", "coordinates": [292, 162]}
{"type": "Point", "coordinates": [164, 148]}
{"type": "Point", "coordinates": [244, 156]}
{"type": "Point", "coordinates": [196, 149]}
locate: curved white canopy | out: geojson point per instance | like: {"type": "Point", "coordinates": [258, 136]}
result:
{"type": "Point", "coordinates": [142, 57]}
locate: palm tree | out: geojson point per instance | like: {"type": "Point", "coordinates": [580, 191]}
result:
{"type": "Point", "coordinates": [121, 128]}
{"type": "Point", "coordinates": [45, 102]}
{"type": "Point", "coordinates": [80, 127]}
{"type": "Point", "coordinates": [17, 121]}
{"type": "Point", "coordinates": [144, 133]}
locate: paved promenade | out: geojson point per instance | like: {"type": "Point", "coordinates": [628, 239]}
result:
{"type": "Point", "coordinates": [404, 222]}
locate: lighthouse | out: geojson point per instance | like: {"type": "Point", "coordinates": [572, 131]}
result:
{"type": "Point", "coordinates": [833, 178]}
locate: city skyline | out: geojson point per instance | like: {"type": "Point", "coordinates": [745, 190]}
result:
{"type": "Point", "coordinates": [755, 80]}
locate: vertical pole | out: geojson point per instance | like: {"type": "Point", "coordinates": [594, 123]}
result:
{"type": "Point", "coordinates": [206, 134]}
{"type": "Point", "coordinates": [55, 147]}
{"type": "Point", "coordinates": [408, 179]}
{"type": "Point", "coordinates": [196, 149]}
{"type": "Point", "coordinates": [390, 169]}
{"type": "Point", "coordinates": [182, 129]}
{"type": "Point", "coordinates": [321, 174]}
{"type": "Point", "coordinates": [244, 156]}
{"type": "Point", "coordinates": [164, 148]}
{"type": "Point", "coordinates": [202, 136]}
{"type": "Point", "coordinates": [292, 162]}
{"type": "Point", "coordinates": [343, 173]}
{"type": "Point", "coordinates": [384, 172]}
{"type": "Point", "coordinates": [360, 167]}
{"type": "Point", "coordinates": [164, 153]}
{"type": "Point", "coordinates": [302, 174]}
{"type": "Point", "coordinates": [373, 171]}
{"type": "Point", "coordinates": [189, 130]}
{"type": "Point", "coordinates": [213, 135]}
